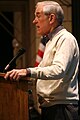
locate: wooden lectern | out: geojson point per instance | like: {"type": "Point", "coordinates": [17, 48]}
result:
{"type": "Point", "coordinates": [13, 99]}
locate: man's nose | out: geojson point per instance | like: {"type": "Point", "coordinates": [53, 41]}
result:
{"type": "Point", "coordinates": [35, 21]}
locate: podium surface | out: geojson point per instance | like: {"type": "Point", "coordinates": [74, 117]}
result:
{"type": "Point", "coordinates": [13, 99]}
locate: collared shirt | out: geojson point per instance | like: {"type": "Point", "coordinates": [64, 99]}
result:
{"type": "Point", "coordinates": [57, 73]}
{"type": "Point", "coordinates": [55, 31]}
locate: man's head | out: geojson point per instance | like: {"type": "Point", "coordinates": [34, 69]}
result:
{"type": "Point", "coordinates": [48, 15]}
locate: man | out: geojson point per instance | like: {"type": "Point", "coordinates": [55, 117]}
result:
{"type": "Point", "coordinates": [57, 73]}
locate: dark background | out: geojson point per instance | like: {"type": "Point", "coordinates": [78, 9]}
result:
{"type": "Point", "coordinates": [6, 49]}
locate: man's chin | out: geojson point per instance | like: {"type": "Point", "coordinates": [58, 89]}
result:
{"type": "Point", "coordinates": [39, 33]}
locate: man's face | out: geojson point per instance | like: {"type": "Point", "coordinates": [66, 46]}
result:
{"type": "Point", "coordinates": [41, 21]}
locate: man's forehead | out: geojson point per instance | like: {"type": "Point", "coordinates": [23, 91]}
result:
{"type": "Point", "coordinates": [39, 9]}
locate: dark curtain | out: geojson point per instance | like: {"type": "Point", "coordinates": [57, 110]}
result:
{"type": "Point", "coordinates": [6, 49]}
{"type": "Point", "coordinates": [76, 29]}
{"type": "Point", "coordinates": [76, 19]}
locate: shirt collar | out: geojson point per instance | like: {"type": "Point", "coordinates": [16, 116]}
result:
{"type": "Point", "coordinates": [55, 31]}
{"type": "Point", "coordinates": [48, 37]}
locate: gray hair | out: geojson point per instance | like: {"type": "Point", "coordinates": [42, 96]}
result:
{"type": "Point", "coordinates": [50, 7]}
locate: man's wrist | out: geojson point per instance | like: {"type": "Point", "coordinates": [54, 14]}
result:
{"type": "Point", "coordinates": [28, 72]}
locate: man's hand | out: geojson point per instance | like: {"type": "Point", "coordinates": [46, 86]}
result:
{"type": "Point", "coordinates": [16, 74]}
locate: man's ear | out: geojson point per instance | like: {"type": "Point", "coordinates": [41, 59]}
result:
{"type": "Point", "coordinates": [52, 18]}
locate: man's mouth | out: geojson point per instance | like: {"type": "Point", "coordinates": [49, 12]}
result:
{"type": "Point", "coordinates": [37, 27]}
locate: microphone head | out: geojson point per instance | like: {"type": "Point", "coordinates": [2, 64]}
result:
{"type": "Point", "coordinates": [21, 51]}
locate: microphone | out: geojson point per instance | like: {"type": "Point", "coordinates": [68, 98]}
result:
{"type": "Point", "coordinates": [19, 53]}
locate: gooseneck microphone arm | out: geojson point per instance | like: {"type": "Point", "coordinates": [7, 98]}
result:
{"type": "Point", "coordinates": [19, 53]}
